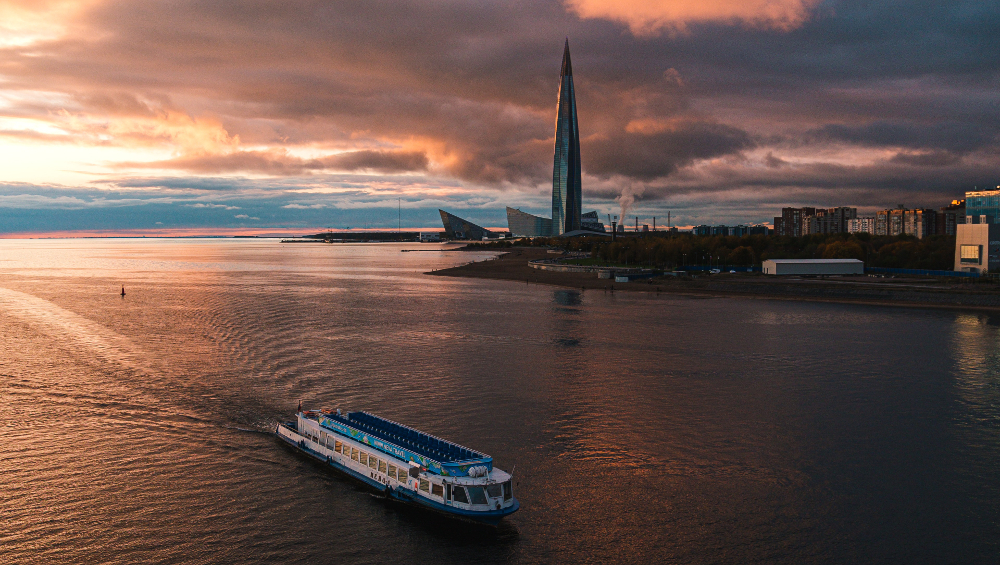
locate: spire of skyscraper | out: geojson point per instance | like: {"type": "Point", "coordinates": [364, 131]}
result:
{"type": "Point", "coordinates": [566, 190]}
{"type": "Point", "coordinates": [567, 67]}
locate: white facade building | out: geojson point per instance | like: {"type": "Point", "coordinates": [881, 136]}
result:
{"type": "Point", "coordinates": [977, 248]}
{"type": "Point", "coordinates": [813, 267]}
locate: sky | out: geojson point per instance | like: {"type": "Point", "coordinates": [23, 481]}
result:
{"type": "Point", "coordinates": [190, 116]}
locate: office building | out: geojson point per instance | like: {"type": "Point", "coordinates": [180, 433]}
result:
{"type": "Point", "coordinates": [983, 203]}
{"type": "Point", "coordinates": [949, 217]}
{"type": "Point", "coordinates": [458, 228]}
{"type": "Point", "coordinates": [977, 247]}
{"type": "Point", "coordinates": [977, 241]}
{"type": "Point", "coordinates": [567, 192]}
{"type": "Point", "coordinates": [523, 224]}
{"type": "Point", "coordinates": [591, 222]}
{"type": "Point", "coordinates": [566, 170]}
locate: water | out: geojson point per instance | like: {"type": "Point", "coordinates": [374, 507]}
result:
{"type": "Point", "coordinates": [640, 428]}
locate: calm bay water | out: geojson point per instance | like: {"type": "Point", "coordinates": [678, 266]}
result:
{"type": "Point", "coordinates": [640, 428]}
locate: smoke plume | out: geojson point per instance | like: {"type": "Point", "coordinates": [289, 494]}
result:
{"type": "Point", "coordinates": [627, 199]}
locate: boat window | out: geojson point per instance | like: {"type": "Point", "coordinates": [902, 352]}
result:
{"type": "Point", "coordinates": [381, 466]}
{"type": "Point", "coordinates": [436, 490]}
{"type": "Point", "coordinates": [477, 495]}
{"type": "Point", "coordinates": [459, 494]}
{"type": "Point", "coordinates": [447, 492]}
{"type": "Point", "coordinates": [424, 485]}
{"type": "Point", "coordinates": [392, 471]}
{"type": "Point", "coordinates": [493, 491]}
{"type": "Point", "coordinates": [363, 457]}
{"type": "Point", "coordinates": [507, 495]}
{"type": "Point", "coordinates": [354, 454]}
{"type": "Point", "coordinates": [373, 462]}
{"type": "Point", "coordinates": [338, 447]}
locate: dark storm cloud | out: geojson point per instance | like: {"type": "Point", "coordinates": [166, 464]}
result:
{"type": "Point", "coordinates": [951, 136]}
{"type": "Point", "coordinates": [648, 156]}
{"type": "Point", "coordinates": [926, 158]}
{"type": "Point", "coordinates": [880, 184]}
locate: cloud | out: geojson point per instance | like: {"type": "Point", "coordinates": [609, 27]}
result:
{"type": "Point", "coordinates": [185, 184]}
{"type": "Point", "coordinates": [926, 158]}
{"type": "Point", "coordinates": [645, 17]}
{"type": "Point", "coordinates": [352, 104]}
{"type": "Point", "coordinates": [649, 153]}
{"type": "Point", "coordinates": [382, 161]}
{"type": "Point", "coordinates": [946, 135]}
{"type": "Point", "coordinates": [773, 162]}
{"type": "Point", "coordinates": [204, 205]}
{"type": "Point", "coordinates": [245, 217]}
{"type": "Point", "coordinates": [279, 162]}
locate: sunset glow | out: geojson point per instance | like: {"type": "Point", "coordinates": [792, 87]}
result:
{"type": "Point", "coordinates": [120, 115]}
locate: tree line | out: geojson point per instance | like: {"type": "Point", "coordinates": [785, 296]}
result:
{"type": "Point", "coordinates": [669, 251]}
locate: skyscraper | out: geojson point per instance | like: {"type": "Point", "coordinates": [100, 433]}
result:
{"type": "Point", "coordinates": [566, 193]}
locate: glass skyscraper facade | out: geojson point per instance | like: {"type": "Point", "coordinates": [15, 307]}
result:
{"type": "Point", "coordinates": [528, 225]}
{"type": "Point", "coordinates": [983, 203]}
{"type": "Point", "coordinates": [566, 191]}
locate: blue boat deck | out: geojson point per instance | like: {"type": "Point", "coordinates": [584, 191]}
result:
{"type": "Point", "coordinates": [403, 436]}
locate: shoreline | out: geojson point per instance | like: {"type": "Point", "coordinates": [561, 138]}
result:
{"type": "Point", "coordinates": [909, 292]}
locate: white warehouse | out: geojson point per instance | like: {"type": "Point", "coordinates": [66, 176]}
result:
{"type": "Point", "coordinates": [813, 267]}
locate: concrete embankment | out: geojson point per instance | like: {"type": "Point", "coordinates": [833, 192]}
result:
{"type": "Point", "coordinates": [914, 291]}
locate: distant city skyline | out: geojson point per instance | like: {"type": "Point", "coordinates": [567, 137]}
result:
{"type": "Point", "coordinates": [152, 117]}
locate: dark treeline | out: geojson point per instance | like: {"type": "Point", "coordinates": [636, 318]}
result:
{"type": "Point", "coordinates": [673, 250]}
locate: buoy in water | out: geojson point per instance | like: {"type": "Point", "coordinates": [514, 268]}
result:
{"type": "Point", "coordinates": [123, 291]}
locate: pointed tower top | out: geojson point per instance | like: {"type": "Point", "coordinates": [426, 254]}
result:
{"type": "Point", "coordinates": [567, 67]}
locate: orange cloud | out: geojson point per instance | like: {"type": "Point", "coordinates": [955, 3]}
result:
{"type": "Point", "coordinates": [190, 136]}
{"type": "Point", "coordinates": [646, 17]}
{"type": "Point", "coordinates": [23, 22]}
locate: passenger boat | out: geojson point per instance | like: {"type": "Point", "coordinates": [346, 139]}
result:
{"type": "Point", "coordinates": [405, 464]}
